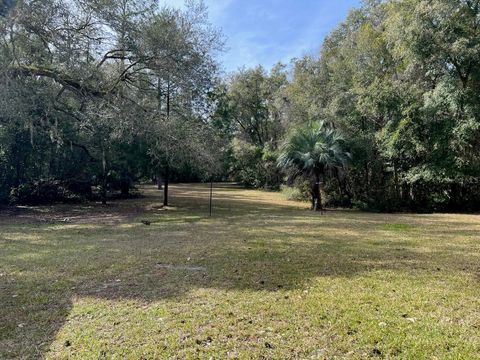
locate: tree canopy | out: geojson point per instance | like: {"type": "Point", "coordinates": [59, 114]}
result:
{"type": "Point", "coordinates": [107, 93]}
{"type": "Point", "coordinates": [399, 80]}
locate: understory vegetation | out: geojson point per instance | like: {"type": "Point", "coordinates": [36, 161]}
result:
{"type": "Point", "coordinates": [99, 95]}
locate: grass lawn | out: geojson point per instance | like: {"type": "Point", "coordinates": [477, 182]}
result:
{"type": "Point", "coordinates": [263, 278]}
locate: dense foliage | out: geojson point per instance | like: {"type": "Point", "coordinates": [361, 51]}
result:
{"type": "Point", "coordinates": [103, 93]}
{"type": "Point", "coordinates": [399, 80]}
{"type": "Point", "coordinates": [106, 93]}
{"type": "Point", "coordinates": [314, 151]}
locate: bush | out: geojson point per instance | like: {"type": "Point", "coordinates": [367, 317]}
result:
{"type": "Point", "coordinates": [247, 168]}
{"type": "Point", "coordinates": [255, 166]}
{"type": "Point", "coordinates": [80, 186]}
{"type": "Point", "coordinates": [299, 191]}
{"type": "Point", "coordinates": [292, 193]}
{"type": "Point", "coordinates": [43, 192]}
{"type": "Point", "coordinates": [338, 201]}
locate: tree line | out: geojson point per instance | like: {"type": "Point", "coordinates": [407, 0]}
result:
{"type": "Point", "coordinates": [101, 94]}
{"type": "Point", "coordinates": [399, 81]}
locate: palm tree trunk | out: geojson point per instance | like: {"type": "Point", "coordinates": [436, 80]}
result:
{"type": "Point", "coordinates": [315, 192]}
{"type": "Point", "coordinates": [321, 190]}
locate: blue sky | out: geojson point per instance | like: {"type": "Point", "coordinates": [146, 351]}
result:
{"type": "Point", "coordinates": [267, 31]}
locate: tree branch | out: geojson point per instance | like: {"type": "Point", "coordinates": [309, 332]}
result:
{"type": "Point", "coordinates": [59, 77]}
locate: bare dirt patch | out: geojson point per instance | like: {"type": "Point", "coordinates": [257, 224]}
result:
{"type": "Point", "coordinates": [115, 212]}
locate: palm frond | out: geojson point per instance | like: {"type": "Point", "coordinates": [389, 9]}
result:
{"type": "Point", "coordinates": [312, 147]}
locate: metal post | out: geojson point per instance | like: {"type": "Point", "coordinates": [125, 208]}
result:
{"type": "Point", "coordinates": [211, 194]}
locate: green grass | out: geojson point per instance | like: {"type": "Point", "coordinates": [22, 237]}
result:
{"type": "Point", "coordinates": [398, 227]}
{"type": "Point", "coordinates": [263, 278]}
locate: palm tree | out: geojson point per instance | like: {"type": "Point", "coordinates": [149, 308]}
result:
{"type": "Point", "coordinates": [313, 150]}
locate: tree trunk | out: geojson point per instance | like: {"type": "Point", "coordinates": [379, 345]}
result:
{"type": "Point", "coordinates": [315, 192]}
{"type": "Point", "coordinates": [125, 188]}
{"type": "Point", "coordinates": [340, 184]}
{"type": "Point", "coordinates": [454, 196]}
{"type": "Point", "coordinates": [165, 187]}
{"type": "Point", "coordinates": [125, 185]}
{"type": "Point", "coordinates": [104, 178]}
{"type": "Point", "coordinates": [367, 180]}
{"type": "Point", "coordinates": [159, 181]}
{"type": "Point", "coordinates": [396, 182]}
{"type": "Point", "coordinates": [168, 98]}
{"type": "Point", "coordinates": [321, 190]}
{"type": "Point", "coordinates": [18, 172]}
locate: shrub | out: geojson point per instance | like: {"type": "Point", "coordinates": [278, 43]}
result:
{"type": "Point", "coordinates": [255, 166]}
{"type": "Point", "coordinates": [291, 193]}
{"type": "Point", "coordinates": [42, 192]}
{"type": "Point", "coordinates": [298, 191]}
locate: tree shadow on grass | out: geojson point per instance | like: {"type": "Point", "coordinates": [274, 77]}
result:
{"type": "Point", "coordinates": [249, 244]}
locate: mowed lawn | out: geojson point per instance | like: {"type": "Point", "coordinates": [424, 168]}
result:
{"type": "Point", "coordinates": [263, 278]}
